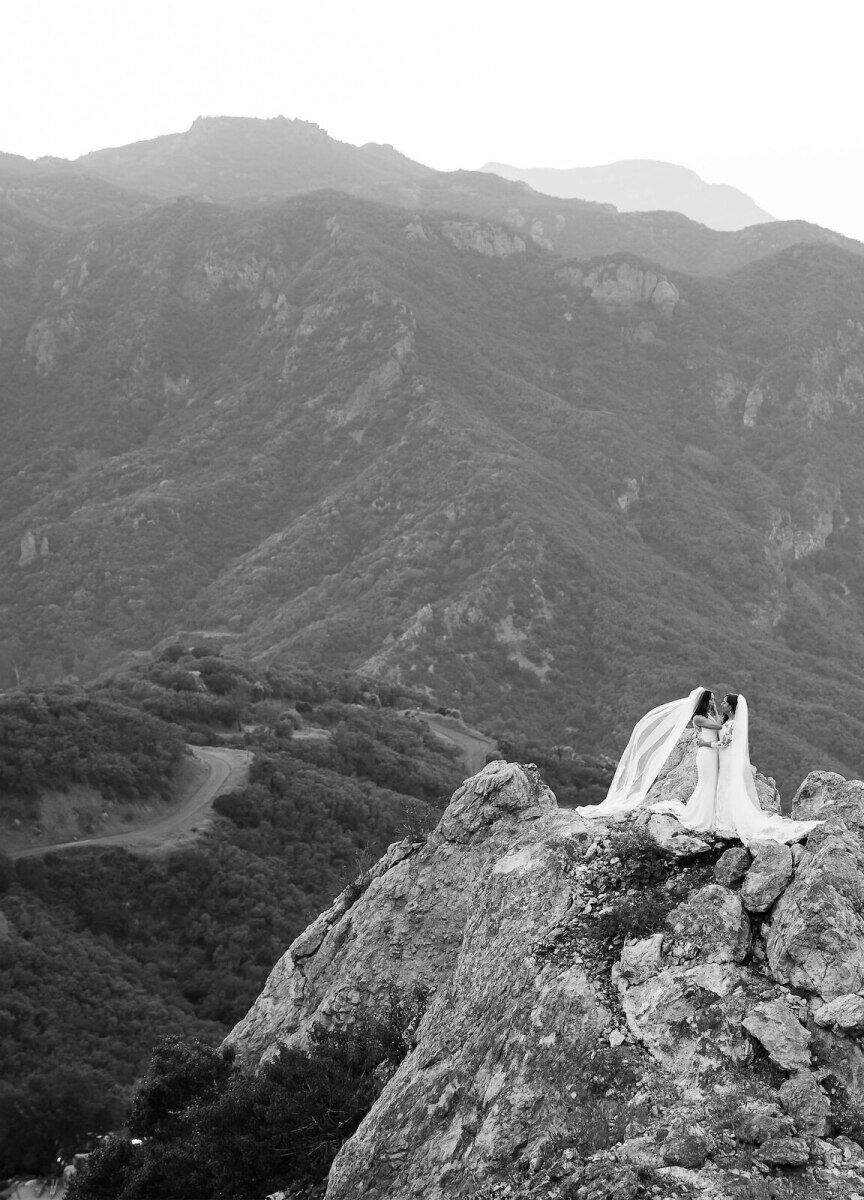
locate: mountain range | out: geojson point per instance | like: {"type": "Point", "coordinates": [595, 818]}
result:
{"type": "Point", "coordinates": [640, 185]}
{"type": "Point", "coordinates": [551, 462]}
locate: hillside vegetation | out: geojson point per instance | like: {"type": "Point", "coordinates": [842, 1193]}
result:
{"type": "Point", "coordinates": [425, 448]}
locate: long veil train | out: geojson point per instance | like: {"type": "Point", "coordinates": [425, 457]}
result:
{"type": "Point", "coordinates": [651, 742]}
{"type": "Point", "coordinates": [738, 812]}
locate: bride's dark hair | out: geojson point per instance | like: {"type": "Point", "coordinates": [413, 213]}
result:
{"type": "Point", "coordinates": [731, 699]}
{"type": "Point", "coordinates": [702, 706]}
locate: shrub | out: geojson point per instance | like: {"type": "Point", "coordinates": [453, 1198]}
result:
{"type": "Point", "coordinates": [211, 1130]}
{"type": "Point", "coordinates": [7, 872]}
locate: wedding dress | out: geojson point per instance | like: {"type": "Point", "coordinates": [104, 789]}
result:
{"type": "Point", "coordinates": [698, 812]}
{"type": "Point", "coordinates": [651, 743]}
{"type": "Point", "coordinates": [738, 813]}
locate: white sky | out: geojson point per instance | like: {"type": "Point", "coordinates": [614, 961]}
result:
{"type": "Point", "coordinates": [762, 95]}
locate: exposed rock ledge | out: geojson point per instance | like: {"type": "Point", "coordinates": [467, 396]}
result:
{"type": "Point", "coordinates": [554, 1061]}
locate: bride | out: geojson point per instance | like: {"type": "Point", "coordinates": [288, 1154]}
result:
{"type": "Point", "coordinates": [737, 811]}
{"type": "Point", "coordinates": [698, 813]}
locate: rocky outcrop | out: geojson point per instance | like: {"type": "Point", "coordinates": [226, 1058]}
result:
{"type": "Point", "coordinates": [405, 926]}
{"type": "Point", "coordinates": [484, 238]}
{"type": "Point", "coordinates": [601, 1010]}
{"type": "Point", "coordinates": [767, 877]}
{"type": "Point", "coordinates": [621, 285]}
{"type": "Point", "coordinates": [816, 937]}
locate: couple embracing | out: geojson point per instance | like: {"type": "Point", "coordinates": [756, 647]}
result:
{"type": "Point", "coordinates": [725, 801]}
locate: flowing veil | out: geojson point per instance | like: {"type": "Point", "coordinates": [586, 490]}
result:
{"type": "Point", "coordinates": [737, 799]}
{"type": "Point", "coordinates": [651, 743]}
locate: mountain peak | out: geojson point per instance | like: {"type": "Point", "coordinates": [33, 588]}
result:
{"type": "Point", "coordinates": [642, 185]}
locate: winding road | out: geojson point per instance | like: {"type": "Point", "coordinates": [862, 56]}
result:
{"type": "Point", "coordinates": [473, 746]}
{"type": "Point", "coordinates": [226, 769]}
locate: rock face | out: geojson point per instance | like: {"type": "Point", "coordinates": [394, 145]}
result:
{"type": "Point", "coordinates": [596, 1004]}
{"type": "Point", "coordinates": [816, 939]}
{"type": "Point", "coordinates": [481, 236]}
{"type": "Point", "coordinates": [621, 285]}
{"type": "Point", "coordinates": [405, 928]}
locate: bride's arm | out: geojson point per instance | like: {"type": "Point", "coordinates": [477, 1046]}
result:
{"type": "Point", "coordinates": [704, 723]}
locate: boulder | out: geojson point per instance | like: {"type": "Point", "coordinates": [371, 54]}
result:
{"type": "Point", "coordinates": [671, 835]}
{"type": "Point", "coordinates": [689, 1018]}
{"type": "Point", "coordinates": [844, 1013]}
{"type": "Point", "coordinates": [821, 789]}
{"type": "Point", "coordinates": [768, 876]}
{"type": "Point", "coordinates": [805, 1102]}
{"type": "Point", "coordinates": [710, 926]}
{"type": "Point", "coordinates": [732, 865]}
{"type": "Point", "coordinates": [762, 1122]}
{"type": "Point", "coordinates": [782, 1034]}
{"type": "Point", "coordinates": [784, 1152]}
{"type": "Point", "coordinates": [687, 1150]}
{"type": "Point", "coordinates": [641, 960]}
{"type": "Point", "coordinates": [816, 938]}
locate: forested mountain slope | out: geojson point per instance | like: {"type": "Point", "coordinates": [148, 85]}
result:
{"type": "Point", "coordinates": [418, 442]}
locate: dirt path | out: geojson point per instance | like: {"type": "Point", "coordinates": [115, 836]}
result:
{"type": "Point", "coordinates": [226, 769]}
{"type": "Point", "coordinates": [473, 745]}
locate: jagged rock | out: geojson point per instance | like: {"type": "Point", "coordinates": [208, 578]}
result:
{"type": "Point", "coordinates": [762, 1122]}
{"type": "Point", "coordinates": [822, 789]}
{"type": "Point", "coordinates": [816, 937]}
{"type": "Point", "coordinates": [710, 926]}
{"type": "Point", "coordinates": [842, 1056]}
{"type": "Point", "coordinates": [805, 1102]}
{"type": "Point", "coordinates": [844, 1013]}
{"type": "Point", "coordinates": [670, 835]}
{"type": "Point", "coordinates": [620, 285]}
{"type": "Point", "coordinates": [766, 790]}
{"type": "Point", "coordinates": [687, 1150]}
{"type": "Point", "coordinates": [406, 928]}
{"type": "Point", "coordinates": [732, 865]}
{"type": "Point", "coordinates": [783, 1036]}
{"type": "Point", "coordinates": [784, 1152]}
{"type": "Point", "coordinates": [689, 1018]}
{"type": "Point", "coordinates": [499, 1053]}
{"type": "Point", "coordinates": [771, 871]}
{"type": "Point", "coordinates": [677, 779]}
{"type": "Point", "coordinates": [641, 960]}
{"type": "Point", "coordinates": [850, 1152]}
{"type": "Point", "coordinates": [483, 237]}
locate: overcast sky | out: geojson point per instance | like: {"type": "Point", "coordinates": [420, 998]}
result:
{"type": "Point", "coordinates": [762, 95]}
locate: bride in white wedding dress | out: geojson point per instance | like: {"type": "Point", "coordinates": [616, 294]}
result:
{"type": "Point", "coordinates": [737, 811]}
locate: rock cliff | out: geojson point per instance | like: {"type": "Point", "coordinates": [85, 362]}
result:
{"type": "Point", "coordinates": [613, 1009]}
